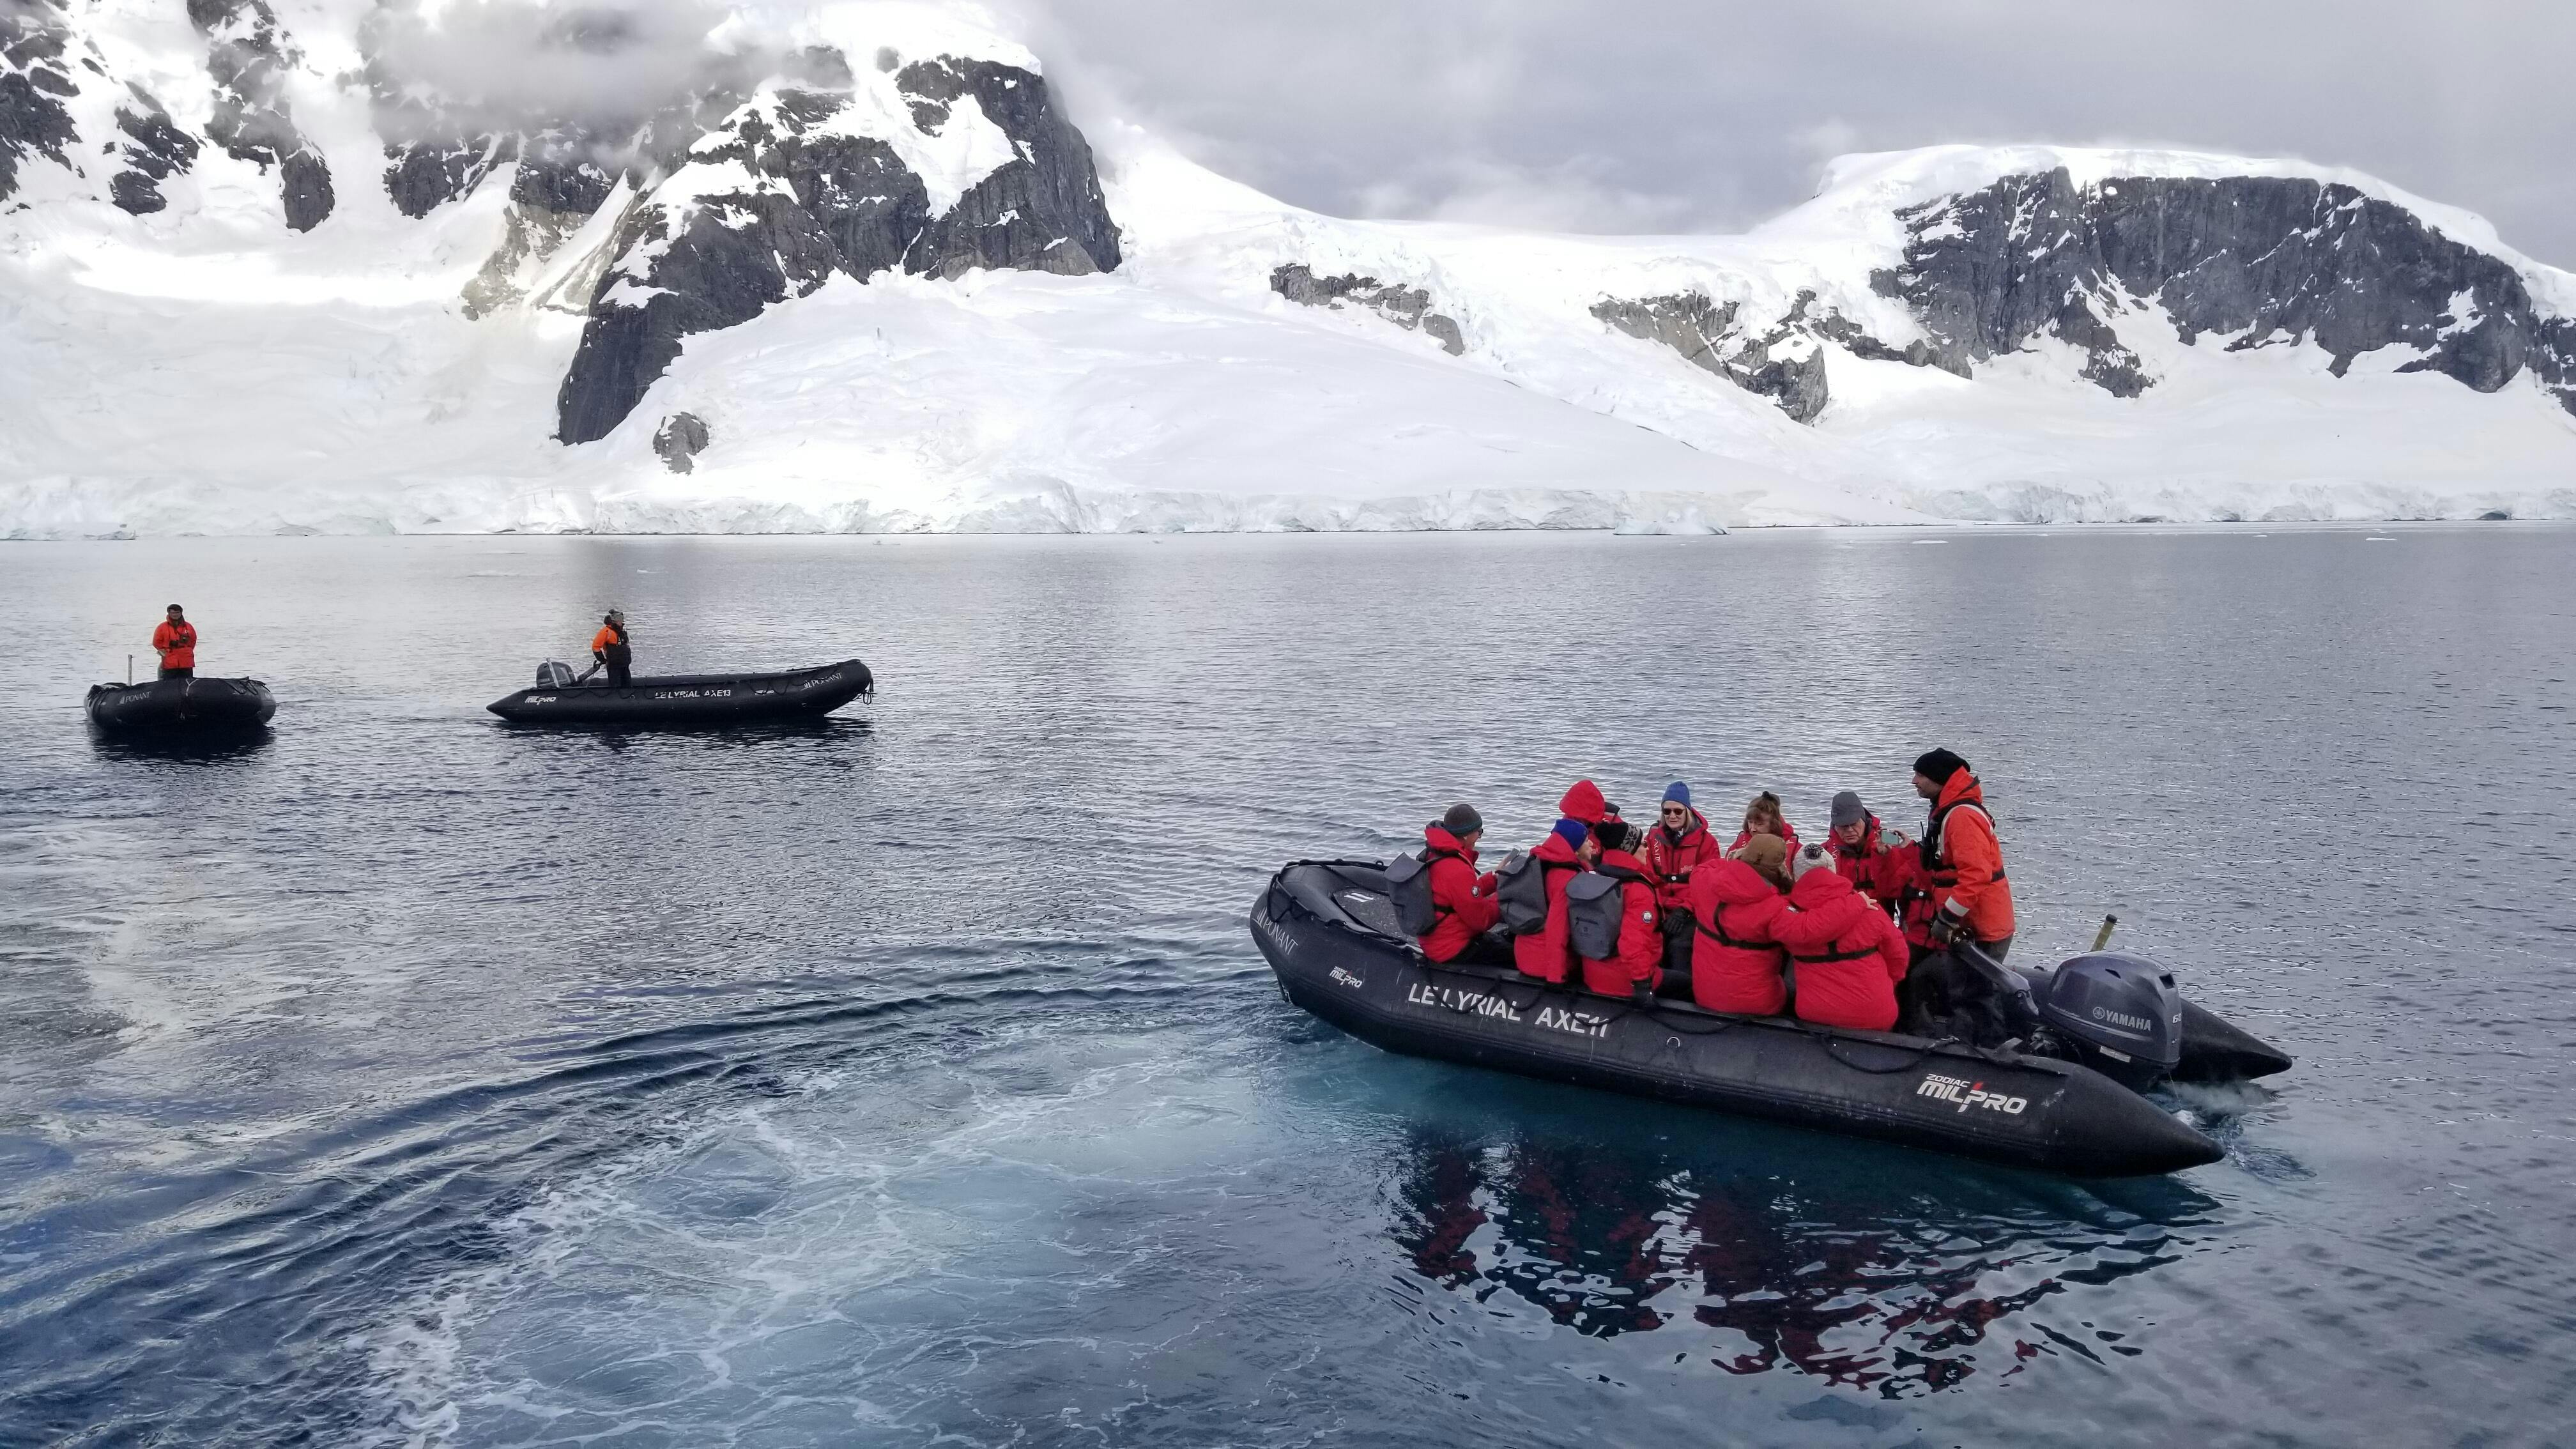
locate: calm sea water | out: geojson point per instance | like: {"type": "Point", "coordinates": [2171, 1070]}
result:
{"type": "Point", "coordinates": [911, 1079]}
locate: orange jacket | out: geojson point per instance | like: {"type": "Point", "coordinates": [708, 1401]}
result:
{"type": "Point", "coordinates": [1967, 862]}
{"type": "Point", "coordinates": [600, 641]}
{"type": "Point", "coordinates": [177, 645]}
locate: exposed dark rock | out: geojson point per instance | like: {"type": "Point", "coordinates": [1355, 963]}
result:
{"type": "Point", "coordinates": [2496, 515]}
{"type": "Point", "coordinates": [680, 439]}
{"type": "Point", "coordinates": [811, 203]}
{"type": "Point", "coordinates": [33, 79]}
{"type": "Point", "coordinates": [1406, 307]}
{"type": "Point", "coordinates": [154, 150]}
{"type": "Point", "coordinates": [1705, 333]}
{"type": "Point", "coordinates": [1042, 212]}
{"type": "Point", "coordinates": [2260, 259]}
{"type": "Point", "coordinates": [422, 176]}
{"type": "Point", "coordinates": [716, 268]}
{"type": "Point", "coordinates": [249, 59]}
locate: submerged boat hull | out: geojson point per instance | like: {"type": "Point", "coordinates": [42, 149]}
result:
{"type": "Point", "coordinates": [693, 699]}
{"type": "Point", "coordinates": [1312, 927]}
{"type": "Point", "coordinates": [181, 706]}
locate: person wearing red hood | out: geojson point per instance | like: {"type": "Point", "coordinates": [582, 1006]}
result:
{"type": "Point", "coordinates": [1583, 803]}
{"type": "Point", "coordinates": [1676, 845]}
{"type": "Point", "coordinates": [1463, 898]}
{"type": "Point", "coordinates": [1848, 954]}
{"type": "Point", "coordinates": [1638, 968]}
{"type": "Point", "coordinates": [1548, 953]}
{"type": "Point", "coordinates": [1736, 962]}
{"type": "Point", "coordinates": [1763, 817]}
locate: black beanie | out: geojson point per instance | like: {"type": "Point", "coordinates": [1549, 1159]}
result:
{"type": "Point", "coordinates": [1938, 766]}
{"type": "Point", "coordinates": [1462, 820]}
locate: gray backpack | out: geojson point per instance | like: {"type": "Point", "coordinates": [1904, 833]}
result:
{"type": "Point", "coordinates": [1521, 891]}
{"type": "Point", "coordinates": [1408, 885]}
{"type": "Point", "coordinates": [1595, 902]}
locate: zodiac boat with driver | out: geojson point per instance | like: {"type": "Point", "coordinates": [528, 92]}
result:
{"type": "Point", "coordinates": [2113, 1023]}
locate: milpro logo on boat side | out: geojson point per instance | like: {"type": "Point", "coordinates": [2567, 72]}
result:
{"type": "Point", "coordinates": [2121, 1018]}
{"type": "Point", "coordinates": [1478, 1003]}
{"type": "Point", "coordinates": [1347, 979]}
{"type": "Point", "coordinates": [1969, 1094]}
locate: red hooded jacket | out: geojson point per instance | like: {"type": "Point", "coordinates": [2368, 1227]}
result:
{"type": "Point", "coordinates": [1848, 954]}
{"type": "Point", "coordinates": [1641, 945]}
{"type": "Point", "coordinates": [1583, 802]}
{"type": "Point", "coordinates": [1740, 973]}
{"type": "Point", "coordinates": [1669, 862]}
{"type": "Point", "coordinates": [1968, 862]}
{"type": "Point", "coordinates": [1464, 898]}
{"type": "Point", "coordinates": [1788, 837]}
{"type": "Point", "coordinates": [1547, 953]}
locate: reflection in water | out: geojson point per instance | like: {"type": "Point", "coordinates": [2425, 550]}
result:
{"type": "Point", "coordinates": [182, 749]}
{"type": "Point", "coordinates": [1773, 1265]}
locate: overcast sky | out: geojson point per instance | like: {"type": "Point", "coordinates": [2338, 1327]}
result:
{"type": "Point", "coordinates": [1657, 115]}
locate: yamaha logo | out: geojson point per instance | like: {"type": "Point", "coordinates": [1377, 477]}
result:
{"type": "Point", "coordinates": [2122, 1018]}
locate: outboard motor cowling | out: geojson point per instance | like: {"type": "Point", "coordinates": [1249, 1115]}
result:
{"type": "Point", "coordinates": [554, 674]}
{"type": "Point", "coordinates": [2119, 1014]}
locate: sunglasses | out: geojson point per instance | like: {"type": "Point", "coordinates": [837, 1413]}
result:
{"type": "Point", "coordinates": [1674, 812]}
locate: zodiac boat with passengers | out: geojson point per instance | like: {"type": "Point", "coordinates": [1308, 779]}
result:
{"type": "Point", "coordinates": [2115, 1027]}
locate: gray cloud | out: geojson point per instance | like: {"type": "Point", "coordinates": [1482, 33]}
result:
{"type": "Point", "coordinates": [1668, 114]}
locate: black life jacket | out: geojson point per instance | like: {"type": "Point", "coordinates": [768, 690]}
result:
{"type": "Point", "coordinates": [618, 651]}
{"type": "Point", "coordinates": [1596, 908]}
{"type": "Point", "coordinates": [1408, 885]}
{"type": "Point", "coordinates": [1942, 873]}
{"type": "Point", "coordinates": [1715, 929]}
{"type": "Point", "coordinates": [1521, 891]}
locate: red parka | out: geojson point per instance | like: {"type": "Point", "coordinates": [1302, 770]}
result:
{"type": "Point", "coordinates": [1641, 944]}
{"type": "Point", "coordinates": [1788, 837]}
{"type": "Point", "coordinates": [1967, 863]}
{"type": "Point", "coordinates": [1735, 960]}
{"type": "Point", "coordinates": [1848, 954]}
{"type": "Point", "coordinates": [1464, 898]}
{"type": "Point", "coordinates": [1670, 860]}
{"type": "Point", "coordinates": [1583, 801]}
{"type": "Point", "coordinates": [1547, 953]}
{"type": "Point", "coordinates": [1873, 869]}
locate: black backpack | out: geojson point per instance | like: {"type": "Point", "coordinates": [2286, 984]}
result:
{"type": "Point", "coordinates": [1408, 885]}
{"type": "Point", "coordinates": [1521, 891]}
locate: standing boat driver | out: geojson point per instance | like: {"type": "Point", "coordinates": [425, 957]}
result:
{"type": "Point", "coordinates": [611, 648]}
{"type": "Point", "coordinates": [1970, 905]}
{"type": "Point", "coordinates": [175, 640]}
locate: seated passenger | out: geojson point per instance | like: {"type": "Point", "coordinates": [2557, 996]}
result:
{"type": "Point", "coordinates": [1636, 968]}
{"type": "Point", "coordinates": [1463, 899]}
{"type": "Point", "coordinates": [1763, 817]}
{"type": "Point", "coordinates": [1676, 845]}
{"type": "Point", "coordinates": [1583, 802]}
{"type": "Point", "coordinates": [1847, 953]}
{"type": "Point", "coordinates": [1735, 961]}
{"type": "Point", "coordinates": [1539, 944]}
{"type": "Point", "coordinates": [1769, 857]}
{"type": "Point", "coordinates": [1865, 857]}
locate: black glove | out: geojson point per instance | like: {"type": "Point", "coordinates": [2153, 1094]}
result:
{"type": "Point", "coordinates": [1948, 927]}
{"type": "Point", "coordinates": [1640, 993]}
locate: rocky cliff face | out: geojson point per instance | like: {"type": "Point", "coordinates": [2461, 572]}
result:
{"type": "Point", "coordinates": [786, 192]}
{"type": "Point", "coordinates": [2257, 260]}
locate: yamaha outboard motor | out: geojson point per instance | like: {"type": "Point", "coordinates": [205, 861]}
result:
{"type": "Point", "coordinates": [554, 674]}
{"type": "Point", "coordinates": [2118, 1014]}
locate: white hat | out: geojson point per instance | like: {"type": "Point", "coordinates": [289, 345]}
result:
{"type": "Point", "coordinates": [1810, 857]}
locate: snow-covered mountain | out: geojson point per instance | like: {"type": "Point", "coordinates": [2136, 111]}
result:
{"type": "Point", "coordinates": [289, 265]}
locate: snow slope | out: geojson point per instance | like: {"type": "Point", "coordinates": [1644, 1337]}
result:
{"type": "Point", "coordinates": [206, 369]}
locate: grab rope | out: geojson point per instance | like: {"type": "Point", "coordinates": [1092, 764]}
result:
{"type": "Point", "coordinates": [1829, 1041]}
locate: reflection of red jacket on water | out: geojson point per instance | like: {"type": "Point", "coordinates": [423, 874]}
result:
{"type": "Point", "coordinates": [1670, 861]}
{"type": "Point", "coordinates": [1740, 972]}
{"type": "Point", "coordinates": [1967, 863]}
{"type": "Point", "coordinates": [1548, 953]}
{"type": "Point", "coordinates": [1641, 945]}
{"type": "Point", "coordinates": [1464, 899]}
{"type": "Point", "coordinates": [1848, 954]}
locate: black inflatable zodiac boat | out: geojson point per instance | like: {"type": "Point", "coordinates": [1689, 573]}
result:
{"type": "Point", "coordinates": [686, 699]}
{"type": "Point", "coordinates": [1328, 931]}
{"type": "Point", "coordinates": [181, 707]}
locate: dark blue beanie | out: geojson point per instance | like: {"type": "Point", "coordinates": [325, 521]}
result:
{"type": "Point", "coordinates": [1677, 793]}
{"type": "Point", "coordinates": [1573, 833]}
